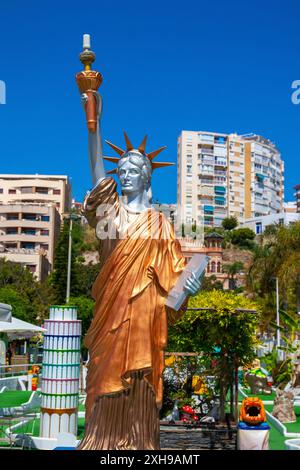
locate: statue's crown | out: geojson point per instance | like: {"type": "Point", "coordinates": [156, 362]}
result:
{"type": "Point", "coordinates": [141, 149]}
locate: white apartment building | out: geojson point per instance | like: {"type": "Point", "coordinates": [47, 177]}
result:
{"type": "Point", "coordinates": [259, 224]}
{"type": "Point", "coordinates": [221, 175]}
{"type": "Point", "coordinates": [31, 207]}
{"type": "Point", "coordinates": [41, 189]}
{"type": "Point", "coordinates": [28, 235]}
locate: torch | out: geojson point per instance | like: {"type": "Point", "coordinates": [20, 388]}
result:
{"type": "Point", "coordinates": [88, 81]}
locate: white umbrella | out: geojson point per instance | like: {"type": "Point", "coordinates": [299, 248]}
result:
{"type": "Point", "coordinates": [19, 329]}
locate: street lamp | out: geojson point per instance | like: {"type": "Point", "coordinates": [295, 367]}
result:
{"type": "Point", "coordinates": [277, 315]}
{"type": "Point", "coordinates": [70, 217]}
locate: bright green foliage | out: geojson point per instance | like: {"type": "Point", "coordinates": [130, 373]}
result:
{"type": "Point", "coordinates": [218, 325]}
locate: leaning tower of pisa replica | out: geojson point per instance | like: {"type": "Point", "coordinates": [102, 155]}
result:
{"type": "Point", "coordinates": [61, 372]}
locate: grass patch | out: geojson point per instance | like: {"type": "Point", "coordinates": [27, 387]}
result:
{"type": "Point", "coordinates": [13, 398]}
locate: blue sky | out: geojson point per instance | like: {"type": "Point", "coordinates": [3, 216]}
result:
{"type": "Point", "coordinates": [167, 66]}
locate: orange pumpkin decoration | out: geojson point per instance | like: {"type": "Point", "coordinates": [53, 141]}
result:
{"type": "Point", "coordinates": [252, 411]}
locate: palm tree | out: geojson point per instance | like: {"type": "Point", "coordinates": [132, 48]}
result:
{"type": "Point", "coordinates": [232, 270]}
{"type": "Point", "coordinates": [278, 255]}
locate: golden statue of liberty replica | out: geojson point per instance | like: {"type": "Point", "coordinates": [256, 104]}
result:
{"type": "Point", "coordinates": [141, 262]}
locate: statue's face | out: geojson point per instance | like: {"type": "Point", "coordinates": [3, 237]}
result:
{"type": "Point", "coordinates": [130, 178]}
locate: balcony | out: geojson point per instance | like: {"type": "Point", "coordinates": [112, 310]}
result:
{"type": "Point", "coordinates": [221, 163]}
{"type": "Point", "coordinates": [221, 173]}
{"type": "Point", "coordinates": [24, 223]}
{"type": "Point", "coordinates": [220, 190]}
{"type": "Point", "coordinates": [220, 201]}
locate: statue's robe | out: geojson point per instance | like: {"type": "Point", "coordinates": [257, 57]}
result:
{"type": "Point", "coordinates": [128, 333]}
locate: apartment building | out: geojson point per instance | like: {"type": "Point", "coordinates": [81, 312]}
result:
{"type": "Point", "coordinates": [36, 189]}
{"type": "Point", "coordinates": [221, 175]}
{"type": "Point", "coordinates": [28, 235]}
{"type": "Point", "coordinates": [31, 208]}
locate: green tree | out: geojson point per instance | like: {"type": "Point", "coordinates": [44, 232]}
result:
{"type": "Point", "coordinates": [243, 237]}
{"type": "Point", "coordinates": [88, 274]}
{"type": "Point", "coordinates": [85, 307]}
{"type": "Point", "coordinates": [229, 223]}
{"type": "Point", "coordinates": [232, 270]}
{"type": "Point", "coordinates": [58, 278]}
{"type": "Point", "coordinates": [223, 328]}
{"type": "Point", "coordinates": [37, 296]}
{"type": "Point", "coordinates": [21, 306]}
{"type": "Point", "coordinates": [278, 256]}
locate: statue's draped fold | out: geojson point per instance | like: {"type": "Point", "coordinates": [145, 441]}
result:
{"type": "Point", "coordinates": [129, 330]}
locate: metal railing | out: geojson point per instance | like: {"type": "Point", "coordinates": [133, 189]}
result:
{"type": "Point", "coordinates": [16, 370]}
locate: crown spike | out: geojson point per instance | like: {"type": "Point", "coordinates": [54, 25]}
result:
{"type": "Point", "coordinates": [160, 164]}
{"type": "Point", "coordinates": [142, 146]}
{"type": "Point", "coordinates": [129, 145]}
{"type": "Point", "coordinates": [111, 172]}
{"type": "Point", "coordinates": [116, 149]}
{"type": "Point", "coordinates": [112, 159]}
{"type": "Point", "coordinates": [154, 154]}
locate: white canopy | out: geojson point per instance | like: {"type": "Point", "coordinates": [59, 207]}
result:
{"type": "Point", "coordinates": [19, 329]}
{"type": "Point", "coordinates": [5, 312]}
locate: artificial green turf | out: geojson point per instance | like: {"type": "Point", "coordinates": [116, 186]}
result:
{"type": "Point", "coordinates": [276, 439]}
{"type": "Point", "coordinates": [263, 397]}
{"type": "Point", "coordinates": [13, 398]}
{"type": "Point", "coordinates": [270, 397]}
{"type": "Point", "coordinates": [33, 427]}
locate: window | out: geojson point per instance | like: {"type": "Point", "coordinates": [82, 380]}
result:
{"type": "Point", "coordinates": [57, 191]}
{"type": "Point", "coordinates": [29, 217]}
{"type": "Point", "coordinates": [10, 246]}
{"type": "Point", "coordinates": [45, 232]}
{"type": "Point", "coordinates": [28, 245]}
{"type": "Point", "coordinates": [12, 217]}
{"type": "Point", "coordinates": [258, 228]}
{"type": "Point", "coordinates": [26, 190]}
{"type": "Point", "coordinates": [28, 231]}
{"type": "Point", "coordinates": [11, 231]}
{"type": "Point", "coordinates": [12, 191]}
{"type": "Point", "coordinates": [213, 267]}
{"type": "Point", "coordinates": [42, 190]}
{"type": "Point", "coordinates": [1, 190]}
{"type": "Point", "coordinates": [45, 218]}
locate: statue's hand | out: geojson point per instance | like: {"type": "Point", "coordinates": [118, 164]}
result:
{"type": "Point", "coordinates": [192, 285]}
{"type": "Point", "coordinates": [84, 98]}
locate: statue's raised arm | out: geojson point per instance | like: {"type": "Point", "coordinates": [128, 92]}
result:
{"type": "Point", "coordinates": [88, 82]}
{"type": "Point", "coordinates": [95, 140]}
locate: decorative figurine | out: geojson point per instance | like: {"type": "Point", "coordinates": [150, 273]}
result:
{"type": "Point", "coordinates": [141, 262]}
